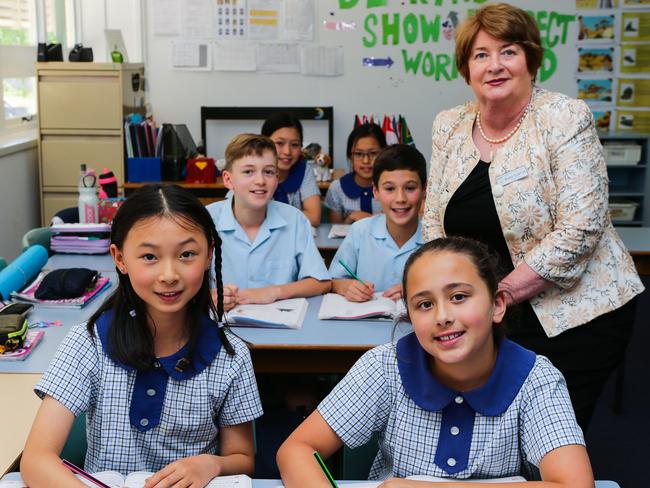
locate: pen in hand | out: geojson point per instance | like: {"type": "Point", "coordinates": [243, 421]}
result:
{"type": "Point", "coordinates": [326, 471]}
{"type": "Point", "coordinates": [352, 273]}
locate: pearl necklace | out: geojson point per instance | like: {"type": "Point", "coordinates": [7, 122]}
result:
{"type": "Point", "coordinates": [508, 135]}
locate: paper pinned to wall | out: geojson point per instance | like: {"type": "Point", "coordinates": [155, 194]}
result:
{"type": "Point", "coordinates": [298, 20]}
{"type": "Point", "coordinates": [191, 55]}
{"type": "Point", "coordinates": [166, 18]}
{"type": "Point", "coordinates": [263, 19]}
{"type": "Point", "coordinates": [278, 57]}
{"type": "Point", "coordinates": [321, 60]}
{"type": "Point", "coordinates": [230, 20]}
{"type": "Point", "coordinates": [234, 56]}
{"type": "Point", "coordinates": [196, 17]}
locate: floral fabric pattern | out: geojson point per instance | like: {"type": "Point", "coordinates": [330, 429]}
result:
{"type": "Point", "coordinates": [553, 214]}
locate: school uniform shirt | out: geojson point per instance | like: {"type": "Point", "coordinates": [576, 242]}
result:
{"type": "Point", "coordinates": [283, 251]}
{"type": "Point", "coordinates": [144, 420]}
{"type": "Point", "coordinates": [345, 196]}
{"type": "Point", "coordinates": [549, 185]}
{"type": "Point", "coordinates": [298, 187]}
{"type": "Point", "coordinates": [370, 251]}
{"type": "Point", "coordinates": [499, 429]}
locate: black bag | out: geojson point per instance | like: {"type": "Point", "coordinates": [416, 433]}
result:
{"type": "Point", "coordinates": [66, 283]}
{"type": "Point", "coordinates": [13, 326]}
{"type": "Point", "coordinates": [80, 53]}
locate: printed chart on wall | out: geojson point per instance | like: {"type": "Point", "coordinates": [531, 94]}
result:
{"type": "Point", "coordinates": [267, 35]}
{"type": "Point", "coordinates": [614, 62]}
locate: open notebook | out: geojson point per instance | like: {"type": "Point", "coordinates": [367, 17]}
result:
{"type": "Point", "coordinates": [336, 307]}
{"type": "Point", "coordinates": [134, 480]}
{"type": "Point", "coordinates": [283, 314]}
{"type": "Point", "coordinates": [374, 484]}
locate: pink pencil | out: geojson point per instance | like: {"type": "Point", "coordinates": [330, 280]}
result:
{"type": "Point", "coordinates": [82, 473]}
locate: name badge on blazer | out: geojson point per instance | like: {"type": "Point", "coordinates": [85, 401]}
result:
{"type": "Point", "coordinates": [513, 175]}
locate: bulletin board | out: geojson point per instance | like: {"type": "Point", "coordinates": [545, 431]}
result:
{"type": "Point", "coordinates": [397, 59]}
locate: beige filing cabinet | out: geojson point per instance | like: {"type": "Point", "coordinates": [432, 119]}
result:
{"type": "Point", "coordinates": [81, 109]}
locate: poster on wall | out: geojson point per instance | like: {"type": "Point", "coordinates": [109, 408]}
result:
{"type": "Point", "coordinates": [230, 19]}
{"type": "Point", "coordinates": [635, 26]}
{"type": "Point", "coordinates": [594, 4]}
{"type": "Point", "coordinates": [602, 119]}
{"type": "Point", "coordinates": [633, 121]}
{"type": "Point", "coordinates": [635, 58]}
{"type": "Point", "coordinates": [636, 3]}
{"type": "Point", "coordinates": [634, 92]}
{"type": "Point", "coordinates": [596, 27]}
{"type": "Point", "coordinates": [595, 90]}
{"type": "Point", "coordinates": [592, 59]}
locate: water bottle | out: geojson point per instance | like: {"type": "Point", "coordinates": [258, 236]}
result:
{"type": "Point", "coordinates": [88, 197]}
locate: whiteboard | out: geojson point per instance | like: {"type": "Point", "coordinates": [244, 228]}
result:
{"type": "Point", "coordinates": [176, 96]}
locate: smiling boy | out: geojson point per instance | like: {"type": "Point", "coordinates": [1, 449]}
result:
{"type": "Point", "coordinates": [377, 248]}
{"type": "Point", "coordinates": [268, 250]}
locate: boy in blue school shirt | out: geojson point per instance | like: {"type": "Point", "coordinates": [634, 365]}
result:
{"type": "Point", "coordinates": [376, 248]}
{"type": "Point", "coordinates": [268, 250]}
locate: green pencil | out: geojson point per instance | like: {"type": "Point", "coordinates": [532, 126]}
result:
{"type": "Point", "coordinates": [352, 273]}
{"type": "Point", "coordinates": [328, 475]}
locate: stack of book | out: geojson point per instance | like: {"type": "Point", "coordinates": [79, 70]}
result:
{"type": "Point", "coordinates": [80, 238]}
{"type": "Point", "coordinates": [27, 295]}
{"type": "Point", "coordinates": [140, 139]}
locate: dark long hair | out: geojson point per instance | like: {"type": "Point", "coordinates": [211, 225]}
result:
{"type": "Point", "coordinates": [130, 340]}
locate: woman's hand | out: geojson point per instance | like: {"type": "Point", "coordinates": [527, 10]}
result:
{"type": "Point", "coordinates": [194, 471]}
{"type": "Point", "coordinates": [394, 292]}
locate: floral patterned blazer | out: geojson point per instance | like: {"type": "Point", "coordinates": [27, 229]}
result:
{"type": "Point", "coordinates": [550, 187]}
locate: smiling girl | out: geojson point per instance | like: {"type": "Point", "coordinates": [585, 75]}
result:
{"type": "Point", "coordinates": [163, 385]}
{"type": "Point", "coordinates": [297, 183]}
{"type": "Point", "coordinates": [453, 399]}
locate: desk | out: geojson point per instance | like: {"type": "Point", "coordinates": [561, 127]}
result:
{"type": "Point", "coordinates": [213, 192]}
{"type": "Point", "coordinates": [278, 483]}
{"type": "Point", "coordinates": [17, 378]}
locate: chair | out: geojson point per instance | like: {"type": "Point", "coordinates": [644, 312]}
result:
{"type": "Point", "coordinates": [38, 235]}
{"type": "Point", "coordinates": [75, 447]}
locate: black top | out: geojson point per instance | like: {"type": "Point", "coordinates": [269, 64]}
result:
{"type": "Point", "coordinates": [471, 213]}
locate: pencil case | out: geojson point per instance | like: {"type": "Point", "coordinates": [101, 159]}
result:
{"type": "Point", "coordinates": [65, 283]}
{"type": "Point", "coordinates": [13, 326]}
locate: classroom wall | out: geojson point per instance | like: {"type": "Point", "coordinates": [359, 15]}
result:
{"type": "Point", "coordinates": [19, 199]}
{"type": "Point", "coordinates": [176, 96]}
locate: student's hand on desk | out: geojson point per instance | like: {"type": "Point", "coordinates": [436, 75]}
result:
{"type": "Point", "coordinates": [356, 215]}
{"type": "Point", "coordinates": [229, 296]}
{"type": "Point", "coordinates": [266, 294]}
{"type": "Point", "coordinates": [194, 471]}
{"type": "Point", "coordinates": [394, 292]}
{"type": "Point", "coordinates": [356, 291]}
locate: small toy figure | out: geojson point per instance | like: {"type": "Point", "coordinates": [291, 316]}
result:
{"type": "Point", "coordinates": [313, 153]}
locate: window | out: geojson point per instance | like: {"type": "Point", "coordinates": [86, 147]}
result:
{"type": "Point", "coordinates": [24, 23]}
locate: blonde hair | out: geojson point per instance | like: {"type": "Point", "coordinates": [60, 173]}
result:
{"type": "Point", "coordinates": [246, 144]}
{"type": "Point", "coordinates": [504, 22]}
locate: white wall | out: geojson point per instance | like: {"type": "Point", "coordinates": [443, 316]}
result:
{"type": "Point", "coordinates": [19, 199]}
{"type": "Point", "coordinates": [177, 96]}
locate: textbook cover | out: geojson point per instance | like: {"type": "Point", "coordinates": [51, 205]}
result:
{"type": "Point", "coordinates": [283, 314]}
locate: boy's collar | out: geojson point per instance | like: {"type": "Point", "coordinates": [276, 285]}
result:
{"type": "Point", "coordinates": [228, 222]}
{"type": "Point", "coordinates": [379, 229]}
{"type": "Point", "coordinates": [178, 366]}
{"type": "Point", "coordinates": [511, 369]}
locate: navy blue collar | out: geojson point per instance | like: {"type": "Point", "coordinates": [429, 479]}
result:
{"type": "Point", "coordinates": [511, 369]}
{"type": "Point", "coordinates": [207, 347]}
{"type": "Point", "coordinates": [292, 183]}
{"type": "Point", "coordinates": [353, 190]}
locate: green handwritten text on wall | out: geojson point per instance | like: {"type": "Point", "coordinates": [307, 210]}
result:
{"type": "Point", "coordinates": [410, 29]}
